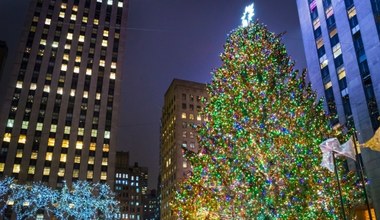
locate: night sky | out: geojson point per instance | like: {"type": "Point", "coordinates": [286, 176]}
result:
{"type": "Point", "coordinates": [168, 39]}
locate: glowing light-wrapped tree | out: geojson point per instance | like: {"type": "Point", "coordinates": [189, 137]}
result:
{"type": "Point", "coordinates": [259, 154]}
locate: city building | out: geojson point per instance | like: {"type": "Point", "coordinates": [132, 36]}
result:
{"type": "Point", "coordinates": [181, 111]}
{"type": "Point", "coordinates": [151, 206]}
{"type": "Point", "coordinates": [342, 47]}
{"type": "Point", "coordinates": [58, 119]}
{"type": "Point", "coordinates": [131, 187]}
{"type": "Point", "coordinates": [3, 56]}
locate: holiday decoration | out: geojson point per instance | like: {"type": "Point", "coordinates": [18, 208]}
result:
{"type": "Point", "coordinates": [259, 155]}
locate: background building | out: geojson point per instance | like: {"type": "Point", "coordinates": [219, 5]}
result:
{"type": "Point", "coordinates": [342, 47]}
{"type": "Point", "coordinates": [131, 186]}
{"type": "Point", "coordinates": [58, 120]}
{"type": "Point", "coordinates": [181, 111]}
{"type": "Point", "coordinates": [3, 56]}
{"type": "Point", "coordinates": [151, 206]}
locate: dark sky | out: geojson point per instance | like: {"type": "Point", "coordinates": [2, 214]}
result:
{"type": "Point", "coordinates": [169, 39]}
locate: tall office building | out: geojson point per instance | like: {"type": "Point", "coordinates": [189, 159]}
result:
{"type": "Point", "coordinates": [181, 111]}
{"type": "Point", "coordinates": [131, 186]}
{"type": "Point", "coordinates": [341, 39]}
{"type": "Point", "coordinates": [58, 121]}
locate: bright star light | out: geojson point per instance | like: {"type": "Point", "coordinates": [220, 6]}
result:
{"type": "Point", "coordinates": [249, 12]}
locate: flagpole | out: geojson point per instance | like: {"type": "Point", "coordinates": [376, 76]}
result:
{"type": "Point", "coordinates": [340, 190]}
{"type": "Point", "coordinates": [361, 174]}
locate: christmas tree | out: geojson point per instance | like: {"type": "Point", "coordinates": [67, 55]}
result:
{"type": "Point", "coordinates": [259, 154]}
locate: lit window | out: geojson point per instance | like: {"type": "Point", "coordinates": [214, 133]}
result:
{"type": "Point", "coordinates": [39, 126]}
{"type": "Point", "coordinates": [91, 160]}
{"type": "Point", "coordinates": [333, 32]}
{"type": "Point", "coordinates": [99, 1]}
{"type": "Point", "coordinates": [67, 46]}
{"type": "Point", "coordinates": [33, 86]}
{"type": "Point", "coordinates": [328, 85]}
{"type": "Point", "coordinates": [75, 173]}
{"type": "Point", "coordinates": [63, 5]}
{"type": "Point", "coordinates": [2, 165]}
{"type": "Point", "coordinates": [69, 36]}
{"type": "Point", "coordinates": [72, 92]}
{"type": "Point", "coordinates": [75, 8]}
{"type": "Point", "coordinates": [49, 156]}
{"type": "Point", "coordinates": [199, 118]}
{"type": "Point", "coordinates": [191, 134]}
{"type": "Point", "coordinates": [106, 147]}
{"type": "Point", "coordinates": [16, 168]}
{"type": "Point", "coordinates": [184, 164]}
{"type": "Point", "coordinates": [329, 12]}
{"type": "Point", "coordinates": [96, 21]}
{"type": "Point", "coordinates": [76, 69]}
{"type": "Point", "coordinates": [337, 50]}
{"type": "Point", "coordinates": [47, 88]}
{"type": "Point", "coordinates": [78, 59]}
{"type": "Point", "coordinates": [46, 171]}
{"type": "Point", "coordinates": [92, 146]}
{"type": "Point", "coordinates": [94, 133]}
{"type": "Point", "coordinates": [73, 17]}
{"type": "Point", "coordinates": [51, 142]}
{"type": "Point", "coordinates": [19, 85]}
{"type": "Point", "coordinates": [97, 96]}
{"type": "Point", "coordinates": [77, 159]}
{"type": "Point", "coordinates": [79, 145]}
{"type": "Point", "coordinates": [19, 153]}
{"type": "Point", "coordinates": [61, 172]}
{"type": "Point", "coordinates": [81, 38]}
{"type": "Point", "coordinates": [102, 63]}
{"type": "Point", "coordinates": [105, 161]}
{"type": "Point", "coordinates": [184, 144]}
{"type": "Point", "coordinates": [183, 115]}
{"type": "Point", "coordinates": [90, 174]}
{"type": "Point", "coordinates": [25, 124]}
{"type": "Point", "coordinates": [64, 67]}
{"type": "Point", "coordinates": [103, 175]}
{"type": "Point", "coordinates": [43, 42]}
{"type": "Point", "coordinates": [323, 61]}
{"type": "Point", "coordinates": [351, 13]}
{"type": "Point", "coordinates": [88, 71]}
{"type": "Point", "coordinates": [60, 90]}
{"type": "Point", "coordinates": [61, 14]}
{"type": "Point", "coordinates": [80, 131]}
{"type": "Point", "coordinates": [48, 21]}
{"type": "Point", "coordinates": [319, 43]}
{"type": "Point", "coordinates": [67, 130]}
{"type": "Point", "coordinates": [35, 18]}
{"type": "Point", "coordinates": [55, 44]}
{"type": "Point", "coordinates": [34, 155]}
{"type": "Point", "coordinates": [31, 169]}
{"type": "Point", "coordinates": [53, 128]}
{"type": "Point", "coordinates": [113, 76]}
{"type": "Point", "coordinates": [107, 134]}
{"type": "Point", "coordinates": [113, 65]}
{"type": "Point", "coordinates": [316, 23]}
{"type": "Point", "coordinates": [10, 123]}
{"type": "Point", "coordinates": [184, 134]}
{"type": "Point", "coordinates": [341, 73]}
{"type": "Point", "coordinates": [120, 4]}
{"type": "Point", "coordinates": [65, 143]}
{"type": "Point", "coordinates": [191, 116]}
{"type": "Point", "coordinates": [85, 94]}
{"type": "Point", "coordinates": [66, 56]}
{"type": "Point", "coordinates": [33, 29]}
{"type": "Point", "coordinates": [105, 33]}
{"type": "Point", "coordinates": [109, 2]}
{"type": "Point", "coordinates": [22, 139]}
{"type": "Point", "coordinates": [63, 158]}
{"type": "Point", "coordinates": [104, 43]}
{"type": "Point", "coordinates": [117, 35]}
{"type": "Point", "coordinates": [84, 19]}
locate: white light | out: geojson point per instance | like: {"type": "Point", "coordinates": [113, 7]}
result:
{"type": "Point", "coordinates": [249, 12]}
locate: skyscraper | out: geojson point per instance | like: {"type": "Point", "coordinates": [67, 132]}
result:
{"type": "Point", "coordinates": [3, 56]}
{"type": "Point", "coordinates": [58, 119]}
{"type": "Point", "coordinates": [181, 111]}
{"type": "Point", "coordinates": [342, 47]}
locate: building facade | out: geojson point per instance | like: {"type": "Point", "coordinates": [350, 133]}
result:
{"type": "Point", "coordinates": [151, 206]}
{"type": "Point", "coordinates": [3, 56]}
{"type": "Point", "coordinates": [181, 111]}
{"type": "Point", "coordinates": [58, 120]}
{"type": "Point", "coordinates": [131, 187]}
{"type": "Point", "coordinates": [342, 47]}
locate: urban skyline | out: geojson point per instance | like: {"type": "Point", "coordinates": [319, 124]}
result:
{"type": "Point", "coordinates": [194, 46]}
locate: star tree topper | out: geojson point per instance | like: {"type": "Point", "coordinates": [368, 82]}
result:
{"type": "Point", "coordinates": [249, 12]}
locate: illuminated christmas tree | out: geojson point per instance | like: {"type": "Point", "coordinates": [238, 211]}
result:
{"type": "Point", "coordinates": [259, 154]}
